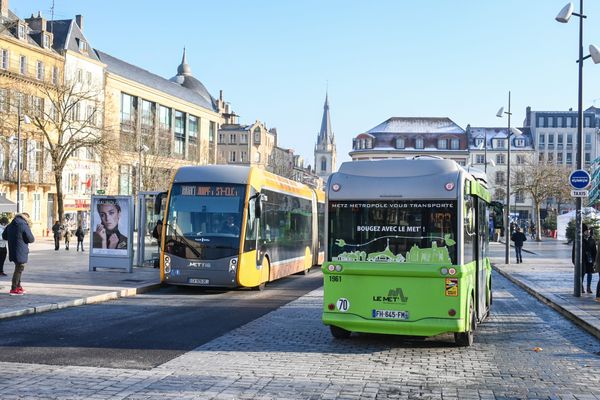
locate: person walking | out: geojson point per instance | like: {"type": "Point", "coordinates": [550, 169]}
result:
{"type": "Point", "coordinates": [18, 234]}
{"type": "Point", "coordinates": [518, 237]}
{"type": "Point", "coordinates": [588, 256]}
{"type": "Point", "coordinates": [56, 232]}
{"type": "Point", "coordinates": [79, 234]}
{"type": "Point", "coordinates": [67, 237]}
{"type": "Point", "coordinates": [3, 249]}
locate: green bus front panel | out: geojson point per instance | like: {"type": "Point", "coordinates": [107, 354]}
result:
{"type": "Point", "coordinates": [414, 300]}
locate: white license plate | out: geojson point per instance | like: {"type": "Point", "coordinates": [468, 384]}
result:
{"type": "Point", "coordinates": [198, 281]}
{"type": "Point", "coordinates": [390, 314]}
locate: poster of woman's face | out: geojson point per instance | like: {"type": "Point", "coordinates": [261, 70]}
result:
{"type": "Point", "coordinates": [110, 225]}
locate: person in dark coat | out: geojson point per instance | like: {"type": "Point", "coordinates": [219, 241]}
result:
{"type": "Point", "coordinates": [18, 234]}
{"type": "Point", "coordinates": [79, 234]}
{"type": "Point", "coordinates": [3, 249]}
{"type": "Point", "coordinates": [56, 232]}
{"type": "Point", "coordinates": [588, 256]}
{"type": "Point", "coordinates": [518, 237]}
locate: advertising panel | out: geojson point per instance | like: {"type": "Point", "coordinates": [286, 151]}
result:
{"type": "Point", "coordinates": [110, 225]}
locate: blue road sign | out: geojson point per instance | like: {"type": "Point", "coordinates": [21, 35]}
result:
{"type": "Point", "coordinates": [579, 179]}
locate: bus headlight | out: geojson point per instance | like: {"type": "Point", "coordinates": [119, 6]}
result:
{"type": "Point", "coordinates": [167, 263]}
{"type": "Point", "coordinates": [331, 268]}
{"type": "Point", "coordinates": [233, 264]}
{"type": "Point", "coordinates": [338, 268]}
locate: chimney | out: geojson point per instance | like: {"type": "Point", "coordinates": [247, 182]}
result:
{"type": "Point", "coordinates": [528, 116]}
{"type": "Point", "coordinates": [36, 23]}
{"type": "Point", "coordinates": [78, 21]}
{"type": "Point", "coordinates": [4, 8]}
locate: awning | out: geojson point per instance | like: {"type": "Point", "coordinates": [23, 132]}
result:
{"type": "Point", "coordinates": [6, 205]}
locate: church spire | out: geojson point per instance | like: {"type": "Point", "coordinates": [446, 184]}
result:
{"type": "Point", "coordinates": [184, 68]}
{"type": "Point", "coordinates": [325, 134]}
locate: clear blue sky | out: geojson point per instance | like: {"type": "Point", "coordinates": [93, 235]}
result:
{"type": "Point", "coordinates": [379, 59]}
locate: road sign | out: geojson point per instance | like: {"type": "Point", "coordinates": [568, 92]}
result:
{"type": "Point", "coordinates": [580, 193]}
{"type": "Point", "coordinates": [100, 191]}
{"type": "Point", "coordinates": [579, 179]}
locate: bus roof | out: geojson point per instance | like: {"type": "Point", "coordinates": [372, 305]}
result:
{"type": "Point", "coordinates": [212, 173]}
{"type": "Point", "coordinates": [415, 178]}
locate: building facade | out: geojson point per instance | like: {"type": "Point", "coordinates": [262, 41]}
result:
{"type": "Point", "coordinates": [400, 137]}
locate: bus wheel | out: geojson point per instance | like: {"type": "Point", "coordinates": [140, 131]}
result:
{"type": "Point", "coordinates": [465, 339]}
{"type": "Point", "coordinates": [266, 265]}
{"type": "Point", "coordinates": [305, 272]}
{"type": "Point", "coordinates": [339, 333]}
{"type": "Point", "coordinates": [260, 287]}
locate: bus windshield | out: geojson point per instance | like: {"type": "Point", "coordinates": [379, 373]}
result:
{"type": "Point", "coordinates": [204, 220]}
{"type": "Point", "coordinates": [416, 231]}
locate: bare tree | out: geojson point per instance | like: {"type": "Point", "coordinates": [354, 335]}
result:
{"type": "Point", "coordinates": [70, 118]}
{"type": "Point", "coordinates": [541, 181]}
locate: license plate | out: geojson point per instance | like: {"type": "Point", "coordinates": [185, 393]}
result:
{"type": "Point", "coordinates": [390, 314]}
{"type": "Point", "coordinates": [198, 281]}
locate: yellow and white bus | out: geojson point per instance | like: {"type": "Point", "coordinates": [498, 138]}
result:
{"type": "Point", "coordinates": [237, 226]}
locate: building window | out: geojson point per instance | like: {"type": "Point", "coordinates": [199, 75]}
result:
{"type": "Point", "coordinates": [39, 70]}
{"type": "Point", "coordinates": [569, 122]}
{"type": "Point", "coordinates": [551, 122]}
{"type": "Point", "coordinates": [23, 65]}
{"type": "Point", "coordinates": [587, 122]}
{"type": "Point", "coordinates": [211, 131]}
{"type": "Point", "coordinates": [550, 140]}
{"type": "Point", "coordinates": [179, 133]}
{"type": "Point", "coordinates": [323, 164]}
{"type": "Point", "coordinates": [164, 118]}
{"type": "Point", "coordinates": [588, 157]}
{"type": "Point", "coordinates": [4, 59]}
{"type": "Point", "coordinates": [540, 122]}
{"type": "Point", "coordinates": [550, 157]}
{"type": "Point", "coordinates": [232, 156]}
{"type": "Point", "coordinates": [442, 144]}
{"type": "Point", "coordinates": [500, 159]}
{"type": "Point", "coordinates": [79, 76]}
{"type": "Point", "coordinates": [46, 41]}
{"type": "Point", "coordinates": [125, 181]}
{"type": "Point", "coordinates": [559, 140]}
{"type": "Point", "coordinates": [21, 31]}
{"type": "Point", "coordinates": [243, 138]}
{"type": "Point", "coordinates": [419, 143]}
{"type": "Point", "coordinates": [37, 106]}
{"type": "Point", "coordinates": [127, 109]}
{"type": "Point", "coordinates": [541, 157]}
{"type": "Point", "coordinates": [36, 215]}
{"type": "Point", "coordinates": [520, 159]}
{"type": "Point", "coordinates": [500, 178]}
{"type": "Point", "coordinates": [500, 143]}
{"type": "Point", "coordinates": [399, 143]}
{"type": "Point", "coordinates": [569, 158]}
{"type": "Point", "coordinates": [54, 75]}
{"type": "Point", "coordinates": [256, 135]}
{"type": "Point", "coordinates": [243, 156]}
{"type": "Point", "coordinates": [221, 138]}
{"type": "Point", "coordinates": [559, 158]}
{"type": "Point", "coordinates": [542, 141]}
{"type": "Point", "coordinates": [454, 144]}
{"type": "Point", "coordinates": [519, 197]}
{"type": "Point", "coordinates": [559, 122]}
{"type": "Point", "coordinates": [519, 142]}
{"type": "Point", "coordinates": [588, 139]}
{"type": "Point", "coordinates": [193, 127]}
{"type": "Point", "coordinates": [82, 45]}
{"type": "Point", "coordinates": [147, 114]}
{"type": "Point", "coordinates": [232, 138]}
{"type": "Point", "coordinates": [569, 140]}
{"type": "Point", "coordinates": [480, 159]}
{"type": "Point", "coordinates": [479, 143]}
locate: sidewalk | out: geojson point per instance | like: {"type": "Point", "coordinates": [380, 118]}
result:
{"type": "Point", "coordinates": [547, 274]}
{"type": "Point", "coordinates": [59, 279]}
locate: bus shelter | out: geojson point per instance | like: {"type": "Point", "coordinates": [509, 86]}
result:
{"type": "Point", "coordinates": [146, 218]}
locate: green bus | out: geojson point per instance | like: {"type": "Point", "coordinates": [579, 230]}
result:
{"type": "Point", "coordinates": [407, 249]}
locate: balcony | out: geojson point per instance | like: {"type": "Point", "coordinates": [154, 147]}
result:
{"type": "Point", "coordinates": [28, 177]}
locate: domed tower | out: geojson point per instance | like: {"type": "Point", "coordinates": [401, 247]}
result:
{"type": "Point", "coordinates": [185, 78]}
{"type": "Point", "coordinates": [325, 152]}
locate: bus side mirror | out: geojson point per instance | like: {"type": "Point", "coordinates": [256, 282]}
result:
{"type": "Point", "coordinates": [257, 208]}
{"type": "Point", "coordinates": [158, 202]}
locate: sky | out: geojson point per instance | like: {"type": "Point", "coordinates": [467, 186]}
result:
{"type": "Point", "coordinates": [275, 60]}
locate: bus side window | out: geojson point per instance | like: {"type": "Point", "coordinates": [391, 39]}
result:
{"type": "Point", "coordinates": [251, 223]}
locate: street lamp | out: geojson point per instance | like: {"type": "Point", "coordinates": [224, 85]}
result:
{"type": "Point", "coordinates": [563, 16]}
{"type": "Point", "coordinates": [516, 132]}
{"type": "Point", "coordinates": [25, 119]}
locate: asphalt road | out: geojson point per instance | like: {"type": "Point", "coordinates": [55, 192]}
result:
{"type": "Point", "coordinates": [144, 331]}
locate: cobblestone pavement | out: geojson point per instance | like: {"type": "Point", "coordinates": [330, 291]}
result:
{"type": "Point", "coordinates": [289, 354]}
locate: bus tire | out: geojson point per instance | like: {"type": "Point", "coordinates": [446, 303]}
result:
{"type": "Point", "coordinates": [305, 271]}
{"type": "Point", "coordinates": [465, 339]}
{"type": "Point", "coordinates": [339, 333]}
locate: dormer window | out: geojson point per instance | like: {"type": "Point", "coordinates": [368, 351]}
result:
{"type": "Point", "coordinates": [454, 144]}
{"type": "Point", "coordinates": [479, 143]}
{"type": "Point", "coordinates": [256, 135]}
{"type": "Point", "coordinates": [519, 142]}
{"type": "Point", "coordinates": [400, 143]}
{"type": "Point", "coordinates": [82, 45]}
{"type": "Point", "coordinates": [500, 143]}
{"type": "Point", "coordinates": [442, 144]}
{"type": "Point", "coordinates": [21, 31]}
{"type": "Point", "coordinates": [46, 41]}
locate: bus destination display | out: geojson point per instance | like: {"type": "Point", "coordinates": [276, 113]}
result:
{"type": "Point", "coordinates": [209, 191]}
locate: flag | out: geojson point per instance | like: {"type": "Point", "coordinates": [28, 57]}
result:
{"type": "Point", "coordinates": [88, 183]}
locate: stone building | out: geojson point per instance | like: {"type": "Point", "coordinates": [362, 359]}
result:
{"type": "Point", "coordinates": [325, 151]}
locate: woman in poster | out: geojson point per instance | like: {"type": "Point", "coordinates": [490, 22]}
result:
{"type": "Point", "coordinates": [107, 234]}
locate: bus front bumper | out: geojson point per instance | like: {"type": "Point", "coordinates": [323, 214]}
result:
{"type": "Point", "coordinates": [422, 327]}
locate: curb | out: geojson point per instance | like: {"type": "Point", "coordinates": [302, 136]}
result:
{"type": "Point", "coordinates": [581, 318]}
{"type": "Point", "coordinates": [100, 298]}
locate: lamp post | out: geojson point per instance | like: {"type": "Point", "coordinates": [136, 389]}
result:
{"type": "Point", "coordinates": [563, 16]}
{"type": "Point", "coordinates": [510, 132]}
{"type": "Point", "coordinates": [25, 119]}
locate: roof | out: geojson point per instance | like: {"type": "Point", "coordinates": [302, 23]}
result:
{"type": "Point", "coordinates": [417, 125]}
{"type": "Point", "coordinates": [67, 35]}
{"type": "Point", "coordinates": [185, 78]}
{"type": "Point", "coordinates": [137, 74]}
{"type": "Point", "coordinates": [498, 133]}
{"type": "Point", "coordinates": [326, 134]}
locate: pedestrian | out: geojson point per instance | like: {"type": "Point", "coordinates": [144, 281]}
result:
{"type": "Point", "coordinates": [518, 237]}
{"type": "Point", "coordinates": [56, 232]}
{"type": "Point", "coordinates": [532, 230]}
{"type": "Point", "coordinates": [79, 234]}
{"type": "Point", "coordinates": [588, 256]}
{"type": "Point", "coordinates": [18, 234]}
{"type": "Point", "coordinates": [67, 237]}
{"type": "Point", "coordinates": [597, 269]}
{"type": "Point", "coordinates": [3, 250]}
